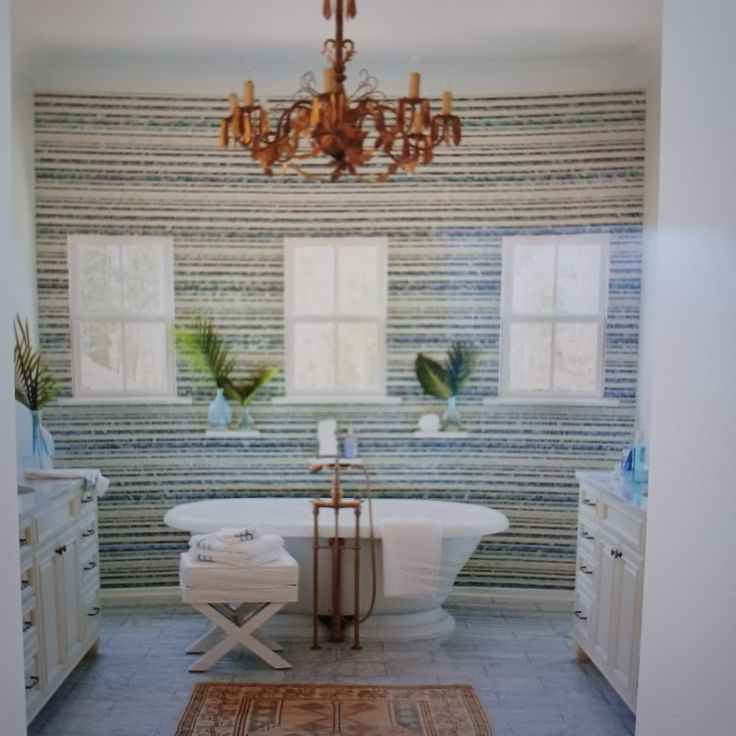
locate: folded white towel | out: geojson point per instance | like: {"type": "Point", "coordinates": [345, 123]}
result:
{"type": "Point", "coordinates": [256, 548]}
{"type": "Point", "coordinates": [280, 572]}
{"type": "Point", "coordinates": [233, 536]}
{"type": "Point", "coordinates": [91, 476]}
{"type": "Point", "coordinates": [411, 551]}
{"type": "Point", "coordinates": [234, 559]}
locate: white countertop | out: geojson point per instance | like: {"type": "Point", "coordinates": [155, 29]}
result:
{"type": "Point", "coordinates": [607, 481]}
{"type": "Point", "coordinates": [33, 493]}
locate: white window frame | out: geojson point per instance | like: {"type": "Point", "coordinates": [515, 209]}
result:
{"type": "Point", "coordinates": [379, 319]}
{"type": "Point", "coordinates": [77, 316]}
{"type": "Point", "coordinates": [508, 317]}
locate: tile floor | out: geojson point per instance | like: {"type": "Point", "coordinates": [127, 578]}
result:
{"type": "Point", "coordinates": [520, 662]}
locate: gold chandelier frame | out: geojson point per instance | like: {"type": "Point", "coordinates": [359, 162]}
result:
{"type": "Point", "coordinates": [348, 129]}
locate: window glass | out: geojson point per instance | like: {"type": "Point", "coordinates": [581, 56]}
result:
{"type": "Point", "coordinates": [122, 312]}
{"type": "Point", "coordinates": [314, 356]}
{"type": "Point", "coordinates": [335, 316]}
{"type": "Point", "coordinates": [553, 315]}
{"type": "Point", "coordinates": [530, 362]}
{"type": "Point", "coordinates": [534, 280]}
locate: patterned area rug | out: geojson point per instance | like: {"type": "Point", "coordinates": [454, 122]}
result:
{"type": "Point", "coordinates": [234, 709]}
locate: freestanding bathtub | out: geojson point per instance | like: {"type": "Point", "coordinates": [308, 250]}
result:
{"type": "Point", "coordinates": [463, 525]}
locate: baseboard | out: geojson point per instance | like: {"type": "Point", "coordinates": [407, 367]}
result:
{"type": "Point", "coordinates": [535, 598]}
{"type": "Point", "coordinates": [161, 594]}
{"type": "Point", "coordinates": [529, 598]}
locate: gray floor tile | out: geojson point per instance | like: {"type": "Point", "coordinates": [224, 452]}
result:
{"type": "Point", "coordinates": [519, 661]}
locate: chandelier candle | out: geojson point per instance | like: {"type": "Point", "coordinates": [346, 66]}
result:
{"type": "Point", "coordinates": [361, 134]}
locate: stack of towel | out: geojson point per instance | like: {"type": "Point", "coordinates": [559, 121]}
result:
{"type": "Point", "coordinates": [244, 546]}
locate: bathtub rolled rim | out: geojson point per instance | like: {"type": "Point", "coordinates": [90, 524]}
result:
{"type": "Point", "coordinates": [292, 517]}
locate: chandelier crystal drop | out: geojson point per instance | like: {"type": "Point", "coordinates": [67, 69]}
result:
{"type": "Point", "coordinates": [353, 131]}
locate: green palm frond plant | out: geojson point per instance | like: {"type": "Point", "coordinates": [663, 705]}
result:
{"type": "Point", "coordinates": [247, 390]}
{"type": "Point", "coordinates": [202, 347]}
{"type": "Point", "coordinates": [35, 386]}
{"type": "Point", "coordinates": [445, 380]}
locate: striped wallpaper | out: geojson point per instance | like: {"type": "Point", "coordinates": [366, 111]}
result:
{"type": "Point", "coordinates": [528, 165]}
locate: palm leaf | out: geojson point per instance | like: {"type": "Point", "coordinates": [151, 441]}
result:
{"type": "Point", "coordinates": [202, 346]}
{"type": "Point", "coordinates": [246, 390]}
{"type": "Point", "coordinates": [35, 386]}
{"type": "Point", "coordinates": [462, 360]}
{"type": "Point", "coordinates": [432, 377]}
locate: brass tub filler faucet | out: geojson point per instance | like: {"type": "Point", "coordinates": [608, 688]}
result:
{"type": "Point", "coordinates": [337, 545]}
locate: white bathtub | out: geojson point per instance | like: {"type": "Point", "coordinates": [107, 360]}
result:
{"type": "Point", "coordinates": [463, 525]}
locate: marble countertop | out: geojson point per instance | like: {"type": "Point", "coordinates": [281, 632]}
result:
{"type": "Point", "coordinates": [33, 493]}
{"type": "Point", "coordinates": [607, 481]}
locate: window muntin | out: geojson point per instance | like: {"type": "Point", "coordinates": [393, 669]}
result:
{"type": "Point", "coordinates": [122, 312]}
{"type": "Point", "coordinates": [335, 308]}
{"type": "Point", "coordinates": [553, 311]}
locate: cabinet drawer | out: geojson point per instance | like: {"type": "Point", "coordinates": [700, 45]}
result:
{"type": "Point", "coordinates": [34, 686]}
{"type": "Point", "coordinates": [582, 617]}
{"type": "Point", "coordinates": [587, 534]}
{"type": "Point", "coordinates": [589, 503]}
{"type": "Point", "coordinates": [623, 525]}
{"type": "Point", "coordinates": [585, 575]}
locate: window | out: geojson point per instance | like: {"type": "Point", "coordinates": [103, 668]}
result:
{"type": "Point", "coordinates": [122, 310]}
{"type": "Point", "coordinates": [553, 311]}
{"type": "Point", "coordinates": [335, 304]}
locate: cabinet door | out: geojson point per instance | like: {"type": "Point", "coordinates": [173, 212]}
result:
{"type": "Point", "coordinates": [52, 646]}
{"type": "Point", "coordinates": [625, 652]}
{"type": "Point", "coordinates": [603, 615]}
{"type": "Point", "coordinates": [71, 586]}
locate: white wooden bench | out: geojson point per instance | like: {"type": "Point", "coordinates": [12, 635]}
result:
{"type": "Point", "coordinates": [238, 600]}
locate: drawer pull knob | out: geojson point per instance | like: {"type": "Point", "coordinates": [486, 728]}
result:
{"type": "Point", "coordinates": [579, 615]}
{"type": "Point", "coordinates": [585, 570]}
{"type": "Point", "coordinates": [89, 566]}
{"type": "Point", "coordinates": [27, 625]}
{"type": "Point", "coordinates": [585, 535]}
{"type": "Point", "coordinates": [88, 533]}
{"type": "Point", "coordinates": [25, 584]}
{"type": "Point", "coordinates": [87, 499]}
{"type": "Point", "coordinates": [60, 550]}
{"type": "Point", "coordinates": [619, 554]}
{"type": "Point", "coordinates": [94, 611]}
{"type": "Point", "coordinates": [34, 682]}
{"type": "Point", "coordinates": [588, 502]}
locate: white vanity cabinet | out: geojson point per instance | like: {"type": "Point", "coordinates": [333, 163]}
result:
{"type": "Point", "coordinates": [609, 577]}
{"type": "Point", "coordinates": [60, 583]}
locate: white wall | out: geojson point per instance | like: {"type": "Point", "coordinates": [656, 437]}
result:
{"type": "Point", "coordinates": [649, 241]}
{"type": "Point", "coordinates": [24, 236]}
{"type": "Point", "coordinates": [12, 694]}
{"type": "Point", "coordinates": [688, 656]}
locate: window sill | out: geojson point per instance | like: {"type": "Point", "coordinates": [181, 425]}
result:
{"type": "Point", "coordinates": [125, 401]}
{"type": "Point", "coordinates": [335, 399]}
{"type": "Point", "coordinates": [547, 401]}
{"type": "Point", "coordinates": [232, 434]}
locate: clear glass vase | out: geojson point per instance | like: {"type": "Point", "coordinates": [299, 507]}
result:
{"type": "Point", "coordinates": [451, 418]}
{"type": "Point", "coordinates": [246, 420]}
{"type": "Point", "coordinates": [219, 412]}
{"type": "Point", "coordinates": [43, 443]}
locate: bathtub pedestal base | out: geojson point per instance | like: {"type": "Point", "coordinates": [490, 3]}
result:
{"type": "Point", "coordinates": [432, 624]}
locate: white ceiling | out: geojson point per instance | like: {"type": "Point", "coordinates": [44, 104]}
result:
{"type": "Point", "coordinates": [73, 42]}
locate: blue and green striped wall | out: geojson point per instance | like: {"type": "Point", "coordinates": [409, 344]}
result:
{"type": "Point", "coordinates": [143, 164]}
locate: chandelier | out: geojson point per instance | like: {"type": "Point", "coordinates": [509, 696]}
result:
{"type": "Point", "coordinates": [352, 131]}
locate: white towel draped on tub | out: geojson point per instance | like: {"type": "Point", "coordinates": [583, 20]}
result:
{"type": "Point", "coordinates": [411, 557]}
{"type": "Point", "coordinates": [91, 476]}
